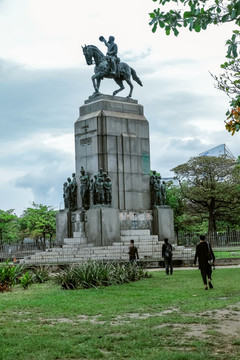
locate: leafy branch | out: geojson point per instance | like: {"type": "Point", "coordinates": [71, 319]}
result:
{"type": "Point", "coordinates": [197, 15]}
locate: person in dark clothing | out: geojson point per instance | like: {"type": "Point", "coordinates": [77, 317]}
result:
{"type": "Point", "coordinates": [167, 256]}
{"type": "Point", "coordinates": [111, 53]}
{"type": "Point", "coordinates": [204, 253]}
{"type": "Point", "coordinates": [133, 252]}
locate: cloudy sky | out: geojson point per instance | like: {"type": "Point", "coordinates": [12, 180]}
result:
{"type": "Point", "coordinates": [44, 80]}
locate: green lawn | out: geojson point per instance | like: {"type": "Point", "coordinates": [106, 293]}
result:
{"type": "Point", "coordinates": [227, 253]}
{"type": "Point", "coordinates": [163, 317]}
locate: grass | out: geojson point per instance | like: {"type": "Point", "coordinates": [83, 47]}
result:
{"type": "Point", "coordinates": [227, 254]}
{"type": "Point", "coordinates": [150, 319]}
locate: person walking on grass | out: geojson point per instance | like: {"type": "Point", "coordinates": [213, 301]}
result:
{"type": "Point", "coordinates": [167, 256]}
{"type": "Point", "coordinates": [133, 252]}
{"type": "Point", "coordinates": [206, 260]}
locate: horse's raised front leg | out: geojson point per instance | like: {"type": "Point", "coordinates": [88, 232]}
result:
{"type": "Point", "coordinates": [120, 84]}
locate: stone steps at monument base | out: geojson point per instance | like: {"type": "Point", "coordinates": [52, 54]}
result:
{"type": "Point", "coordinates": [75, 240]}
{"type": "Point", "coordinates": [79, 234]}
{"type": "Point", "coordinates": [78, 258]}
{"type": "Point", "coordinates": [124, 240]}
{"type": "Point", "coordinates": [135, 232]}
{"type": "Point", "coordinates": [137, 242]}
{"type": "Point", "coordinates": [150, 238]}
{"type": "Point", "coordinates": [116, 251]}
{"type": "Point", "coordinates": [75, 248]}
{"type": "Point", "coordinates": [74, 244]}
{"type": "Point", "coordinates": [106, 250]}
{"type": "Point", "coordinates": [148, 247]}
{"type": "Point", "coordinates": [122, 243]}
{"type": "Point", "coordinates": [180, 247]}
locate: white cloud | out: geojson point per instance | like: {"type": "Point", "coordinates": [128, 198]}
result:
{"type": "Point", "coordinates": [45, 79]}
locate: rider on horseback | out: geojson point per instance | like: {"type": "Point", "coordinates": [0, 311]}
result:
{"type": "Point", "coordinates": [111, 54]}
{"type": "Point", "coordinates": [102, 70]}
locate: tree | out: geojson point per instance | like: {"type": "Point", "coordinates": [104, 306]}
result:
{"type": "Point", "coordinates": [211, 187]}
{"type": "Point", "coordinates": [39, 222]}
{"type": "Point", "coordinates": [197, 15]}
{"type": "Point", "coordinates": [184, 220]}
{"type": "Point", "coordinates": [176, 201]}
{"type": "Point", "coordinates": [229, 82]}
{"type": "Point", "coordinates": [8, 226]}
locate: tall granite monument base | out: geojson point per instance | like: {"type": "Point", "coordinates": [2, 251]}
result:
{"type": "Point", "coordinates": [112, 134]}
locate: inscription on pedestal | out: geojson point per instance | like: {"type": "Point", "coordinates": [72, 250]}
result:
{"type": "Point", "coordinates": [86, 141]}
{"type": "Point", "coordinates": [90, 132]}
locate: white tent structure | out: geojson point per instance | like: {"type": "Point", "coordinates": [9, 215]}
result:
{"type": "Point", "coordinates": [218, 151]}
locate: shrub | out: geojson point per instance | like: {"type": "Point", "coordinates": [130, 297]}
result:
{"type": "Point", "coordinates": [93, 274]}
{"type": "Point", "coordinates": [26, 280]}
{"type": "Point", "coordinates": [40, 273]}
{"type": "Point", "coordinates": [67, 278]}
{"type": "Point", "coordinates": [9, 276]}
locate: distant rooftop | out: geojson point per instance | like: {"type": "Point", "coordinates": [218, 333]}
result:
{"type": "Point", "coordinates": [218, 151]}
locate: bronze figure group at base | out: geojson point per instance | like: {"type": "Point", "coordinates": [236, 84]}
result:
{"type": "Point", "coordinates": [158, 190]}
{"type": "Point", "coordinates": [95, 191]}
{"type": "Point", "coordinates": [70, 193]}
{"type": "Point", "coordinates": [100, 189]}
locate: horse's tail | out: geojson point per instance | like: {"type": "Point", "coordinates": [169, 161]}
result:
{"type": "Point", "coordinates": [135, 77]}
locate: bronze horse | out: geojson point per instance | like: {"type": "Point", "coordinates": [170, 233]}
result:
{"type": "Point", "coordinates": [103, 70]}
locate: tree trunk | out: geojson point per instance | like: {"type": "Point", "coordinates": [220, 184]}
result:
{"type": "Point", "coordinates": [228, 234]}
{"type": "Point", "coordinates": [212, 229]}
{"type": "Point", "coordinates": [177, 236]}
{"type": "Point", "coordinates": [44, 241]}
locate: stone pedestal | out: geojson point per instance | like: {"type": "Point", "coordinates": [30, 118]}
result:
{"type": "Point", "coordinates": [141, 220]}
{"type": "Point", "coordinates": [112, 133]}
{"type": "Point", "coordinates": [102, 226]}
{"type": "Point", "coordinates": [78, 223]}
{"type": "Point", "coordinates": [163, 222]}
{"type": "Point", "coordinates": [63, 225]}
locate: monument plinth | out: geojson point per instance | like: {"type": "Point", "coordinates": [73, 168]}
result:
{"type": "Point", "coordinates": [163, 221]}
{"type": "Point", "coordinates": [112, 133]}
{"type": "Point", "coordinates": [112, 142]}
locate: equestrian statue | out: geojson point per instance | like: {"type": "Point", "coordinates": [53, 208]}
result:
{"type": "Point", "coordinates": [109, 66]}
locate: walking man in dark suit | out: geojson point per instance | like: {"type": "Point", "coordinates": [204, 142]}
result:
{"type": "Point", "coordinates": [167, 256]}
{"type": "Point", "coordinates": [204, 253]}
{"type": "Point", "coordinates": [133, 252]}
